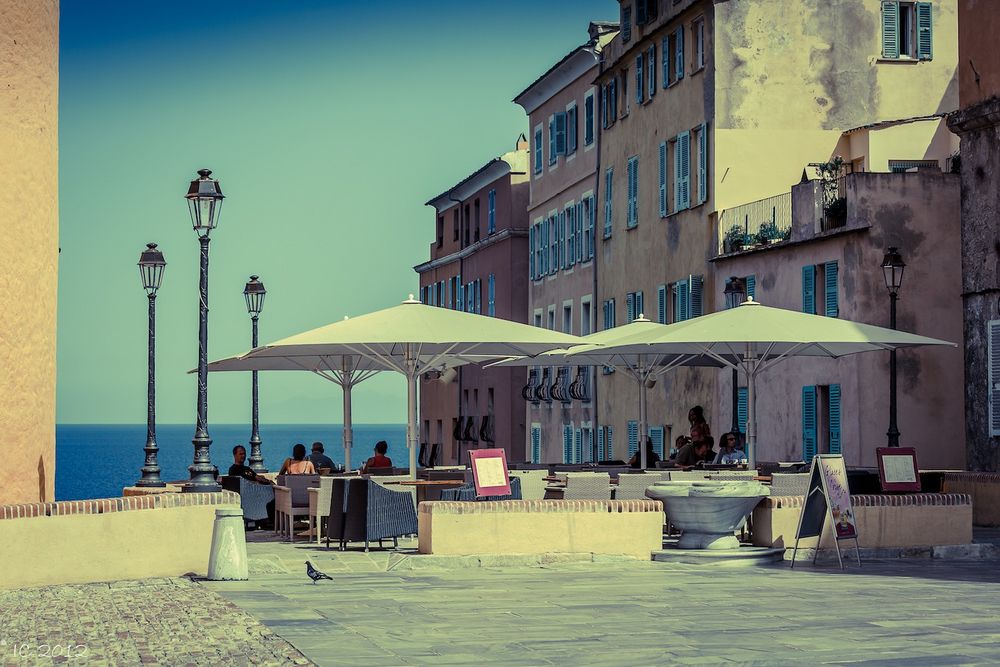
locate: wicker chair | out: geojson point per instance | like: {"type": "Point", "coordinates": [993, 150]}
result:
{"type": "Point", "coordinates": [632, 486]}
{"type": "Point", "coordinates": [373, 512]}
{"type": "Point", "coordinates": [468, 492]}
{"type": "Point", "coordinates": [587, 485]}
{"type": "Point", "coordinates": [789, 484]}
{"type": "Point", "coordinates": [532, 483]}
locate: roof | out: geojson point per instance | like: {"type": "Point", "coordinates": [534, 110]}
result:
{"type": "Point", "coordinates": [513, 162]}
{"type": "Point", "coordinates": [900, 121]}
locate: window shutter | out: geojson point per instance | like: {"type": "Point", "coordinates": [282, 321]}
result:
{"type": "Point", "coordinates": [741, 409]}
{"type": "Point", "coordinates": [993, 390]}
{"type": "Point", "coordinates": [679, 62]}
{"type": "Point", "coordinates": [651, 70]}
{"type": "Point", "coordinates": [809, 289]}
{"type": "Point", "coordinates": [492, 296]}
{"type": "Point", "coordinates": [608, 196]}
{"type": "Point", "coordinates": [640, 84]}
{"type": "Point", "coordinates": [661, 304]}
{"type": "Point", "coordinates": [830, 278]}
{"type": "Point", "coordinates": [695, 305]}
{"type": "Point", "coordinates": [890, 29]}
{"type": "Point", "coordinates": [552, 139]}
{"type": "Point", "coordinates": [580, 237]}
{"type": "Point", "coordinates": [536, 444]}
{"type": "Point", "coordinates": [578, 446]}
{"type": "Point", "coordinates": [609, 443]}
{"type": "Point", "coordinates": [639, 304]}
{"type": "Point", "coordinates": [751, 283]}
{"type": "Point", "coordinates": [656, 436]}
{"type": "Point", "coordinates": [571, 130]}
{"type": "Point", "coordinates": [834, 413]}
{"type": "Point", "coordinates": [677, 174]}
{"type": "Point", "coordinates": [561, 133]}
{"type": "Point", "coordinates": [633, 438]}
{"type": "Point", "coordinates": [702, 170]}
{"type": "Point", "coordinates": [684, 144]}
{"type": "Point", "coordinates": [629, 307]}
{"type": "Point", "coordinates": [592, 223]}
{"type": "Point", "coordinates": [808, 423]}
{"type": "Point", "coordinates": [560, 262]}
{"type": "Point", "coordinates": [567, 443]}
{"type": "Point", "coordinates": [600, 445]}
{"type": "Point", "coordinates": [570, 237]}
{"type": "Point", "coordinates": [675, 290]}
{"type": "Point", "coordinates": [665, 62]}
{"type": "Point", "coordinates": [531, 251]}
{"type": "Point", "coordinates": [538, 150]}
{"type": "Point", "coordinates": [588, 120]}
{"type": "Point", "coordinates": [925, 31]}
{"type": "Point", "coordinates": [556, 244]}
{"type": "Point", "coordinates": [492, 219]}
{"type": "Point", "coordinates": [663, 179]}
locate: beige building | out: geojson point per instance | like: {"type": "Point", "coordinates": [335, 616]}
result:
{"type": "Point", "coordinates": [562, 117]}
{"type": "Point", "coordinates": [29, 253]}
{"type": "Point", "coordinates": [709, 105]}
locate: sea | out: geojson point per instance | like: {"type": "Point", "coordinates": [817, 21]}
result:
{"type": "Point", "coordinates": [98, 460]}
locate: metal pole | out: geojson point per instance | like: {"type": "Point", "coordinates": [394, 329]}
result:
{"type": "Point", "coordinates": [151, 469]}
{"type": "Point", "coordinates": [642, 415]}
{"type": "Point", "coordinates": [411, 405]}
{"type": "Point", "coordinates": [893, 432]}
{"type": "Point", "coordinates": [750, 367]}
{"type": "Point", "coordinates": [736, 407]}
{"type": "Point", "coordinates": [348, 379]}
{"type": "Point", "coordinates": [202, 471]}
{"type": "Point", "coordinates": [256, 457]}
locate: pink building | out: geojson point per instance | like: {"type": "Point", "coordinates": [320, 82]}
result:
{"type": "Point", "coordinates": [478, 264]}
{"type": "Point", "coordinates": [562, 117]}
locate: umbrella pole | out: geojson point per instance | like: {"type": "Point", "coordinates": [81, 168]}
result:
{"type": "Point", "coordinates": [751, 371]}
{"type": "Point", "coordinates": [348, 431]}
{"type": "Point", "coordinates": [642, 415]}
{"type": "Point", "coordinates": [411, 407]}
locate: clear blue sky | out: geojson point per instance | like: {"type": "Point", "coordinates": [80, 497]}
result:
{"type": "Point", "coordinates": [327, 123]}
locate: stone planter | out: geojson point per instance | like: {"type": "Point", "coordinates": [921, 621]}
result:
{"type": "Point", "coordinates": [708, 512]}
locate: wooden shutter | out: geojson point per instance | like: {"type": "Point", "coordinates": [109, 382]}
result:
{"type": "Point", "coordinates": [492, 295]}
{"type": "Point", "coordinates": [588, 120]}
{"type": "Point", "coordinates": [580, 237]}
{"type": "Point", "coordinates": [567, 443]}
{"type": "Point", "coordinates": [538, 150]}
{"type": "Point", "coordinates": [661, 304]}
{"type": "Point", "coordinates": [570, 236]}
{"type": "Point", "coordinates": [531, 251]}
{"type": "Point", "coordinates": [600, 444]}
{"type": "Point", "coordinates": [656, 436]}
{"type": "Point", "coordinates": [741, 409]}
{"type": "Point", "coordinates": [552, 140]}
{"type": "Point", "coordinates": [679, 62]}
{"type": "Point", "coordinates": [640, 83]}
{"type": "Point", "coordinates": [651, 70]}
{"type": "Point", "coordinates": [536, 444]}
{"type": "Point", "coordinates": [633, 192]}
{"type": "Point", "coordinates": [633, 438]}
{"type": "Point", "coordinates": [830, 286]}
{"type": "Point", "coordinates": [561, 133]}
{"type": "Point", "coordinates": [702, 170]}
{"type": "Point", "coordinates": [491, 220]}
{"type": "Point", "coordinates": [608, 195]}
{"type": "Point", "coordinates": [663, 179]}
{"type": "Point", "coordinates": [993, 359]}
{"type": "Point", "coordinates": [609, 442]}
{"type": "Point", "coordinates": [571, 129]}
{"type": "Point", "coordinates": [809, 289]}
{"type": "Point", "coordinates": [925, 31]}
{"type": "Point", "coordinates": [592, 223]}
{"type": "Point", "coordinates": [695, 304]}
{"type": "Point", "coordinates": [665, 62]}
{"type": "Point", "coordinates": [578, 446]}
{"type": "Point", "coordinates": [890, 29]}
{"type": "Point", "coordinates": [684, 148]}
{"type": "Point", "coordinates": [675, 290]}
{"type": "Point", "coordinates": [808, 423]}
{"type": "Point", "coordinates": [751, 284]}
{"type": "Point", "coordinates": [834, 415]}
{"type": "Point", "coordinates": [629, 307]}
{"type": "Point", "coordinates": [639, 304]}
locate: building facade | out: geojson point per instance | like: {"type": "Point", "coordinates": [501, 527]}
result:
{"type": "Point", "coordinates": [478, 264]}
{"type": "Point", "coordinates": [562, 119]}
{"type": "Point", "coordinates": [977, 122]}
{"type": "Point", "coordinates": [29, 253]}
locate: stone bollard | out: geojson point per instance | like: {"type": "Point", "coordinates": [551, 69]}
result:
{"type": "Point", "coordinates": [228, 558]}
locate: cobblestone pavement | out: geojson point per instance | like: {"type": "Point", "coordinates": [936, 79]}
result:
{"type": "Point", "coordinates": [157, 621]}
{"type": "Point", "coordinates": [906, 612]}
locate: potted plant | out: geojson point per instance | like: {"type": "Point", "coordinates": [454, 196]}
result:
{"type": "Point", "coordinates": [734, 240]}
{"type": "Point", "coordinates": [834, 205]}
{"type": "Point", "coordinates": [769, 233]}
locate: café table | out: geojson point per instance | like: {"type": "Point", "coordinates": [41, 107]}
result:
{"type": "Point", "coordinates": [423, 486]}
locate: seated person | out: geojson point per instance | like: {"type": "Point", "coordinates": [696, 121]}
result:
{"type": "Point", "coordinates": [240, 469]}
{"type": "Point", "coordinates": [710, 455]}
{"type": "Point", "coordinates": [298, 464]}
{"type": "Point", "coordinates": [729, 451]}
{"type": "Point", "coordinates": [380, 460]}
{"type": "Point", "coordinates": [651, 457]}
{"type": "Point", "coordinates": [321, 460]}
{"type": "Point", "coordinates": [678, 444]}
{"type": "Point", "coordinates": [692, 453]}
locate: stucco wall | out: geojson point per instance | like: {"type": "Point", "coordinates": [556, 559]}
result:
{"type": "Point", "coordinates": [978, 27]}
{"type": "Point", "coordinates": [29, 71]}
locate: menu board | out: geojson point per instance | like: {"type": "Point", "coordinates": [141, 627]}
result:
{"type": "Point", "coordinates": [489, 472]}
{"type": "Point", "coordinates": [897, 469]}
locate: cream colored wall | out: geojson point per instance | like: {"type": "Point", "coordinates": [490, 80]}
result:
{"type": "Point", "coordinates": [29, 224]}
{"type": "Point", "coordinates": [925, 140]}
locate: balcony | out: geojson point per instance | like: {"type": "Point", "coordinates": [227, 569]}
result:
{"type": "Point", "coordinates": [759, 223]}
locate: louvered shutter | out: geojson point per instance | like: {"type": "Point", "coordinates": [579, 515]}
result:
{"type": "Point", "coordinates": [571, 129]}
{"type": "Point", "coordinates": [675, 290]}
{"type": "Point", "coordinates": [661, 304]}
{"type": "Point", "coordinates": [702, 166]}
{"type": "Point", "coordinates": [890, 29]}
{"type": "Point", "coordinates": [629, 307]}
{"type": "Point", "coordinates": [608, 196]}
{"type": "Point", "coordinates": [491, 220]}
{"type": "Point", "coordinates": [588, 120]}
{"type": "Point", "coordinates": [679, 62]}
{"type": "Point", "coordinates": [592, 226]}
{"type": "Point", "coordinates": [809, 289]}
{"type": "Point", "coordinates": [656, 436]}
{"type": "Point", "coordinates": [663, 179]}
{"type": "Point", "coordinates": [651, 70]}
{"type": "Point", "coordinates": [751, 283]}
{"type": "Point", "coordinates": [741, 409]}
{"type": "Point", "coordinates": [609, 442]}
{"type": "Point", "coordinates": [834, 414]}
{"type": "Point", "coordinates": [555, 244]}
{"type": "Point", "coordinates": [536, 444]}
{"type": "Point", "coordinates": [570, 236]}
{"type": "Point", "coordinates": [577, 446]}
{"type": "Point", "coordinates": [561, 133]}
{"type": "Point", "coordinates": [600, 445]}
{"type": "Point", "coordinates": [562, 242]}
{"type": "Point", "coordinates": [830, 285]}
{"type": "Point", "coordinates": [492, 306]}
{"type": "Point", "coordinates": [684, 148]}
{"type": "Point", "coordinates": [552, 140]}
{"type": "Point", "coordinates": [640, 87]}
{"type": "Point", "coordinates": [531, 251]}
{"type": "Point", "coordinates": [538, 150]}
{"type": "Point", "coordinates": [925, 31]}
{"type": "Point", "coordinates": [695, 308]}
{"type": "Point", "coordinates": [567, 443]}
{"type": "Point", "coordinates": [581, 239]}
{"type": "Point", "coordinates": [639, 305]}
{"type": "Point", "coordinates": [633, 438]}
{"type": "Point", "coordinates": [808, 423]}
{"type": "Point", "coordinates": [665, 62]}
{"type": "Point", "coordinates": [993, 390]}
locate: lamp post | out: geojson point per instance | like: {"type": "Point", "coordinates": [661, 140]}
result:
{"type": "Point", "coordinates": [205, 203]}
{"type": "Point", "coordinates": [736, 294]}
{"type": "Point", "coordinates": [892, 271]}
{"type": "Point", "coordinates": [254, 293]}
{"type": "Point", "coordinates": [151, 265]}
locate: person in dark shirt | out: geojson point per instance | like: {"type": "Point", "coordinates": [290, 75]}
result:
{"type": "Point", "coordinates": [321, 460]}
{"type": "Point", "coordinates": [651, 457]}
{"type": "Point", "coordinates": [692, 453]}
{"type": "Point", "coordinates": [380, 460]}
{"type": "Point", "coordinates": [240, 469]}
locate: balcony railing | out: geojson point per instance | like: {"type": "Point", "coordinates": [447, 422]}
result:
{"type": "Point", "coordinates": [758, 223]}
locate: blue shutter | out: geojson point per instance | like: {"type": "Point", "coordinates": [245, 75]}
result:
{"type": "Point", "coordinates": [682, 300]}
{"type": "Point", "coordinates": [665, 62]}
{"type": "Point", "coordinates": [633, 192]}
{"type": "Point", "coordinates": [608, 196]}
{"type": "Point", "coordinates": [679, 62]}
{"type": "Point", "coordinates": [808, 423]}
{"type": "Point", "coordinates": [570, 236]}
{"type": "Point", "coordinates": [651, 70]}
{"type": "Point", "coordinates": [588, 120]}
{"type": "Point", "coordinates": [592, 226]}
{"type": "Point", "coordinates": [663, 179]}
{"type": "Point", "coordinates": [661, 304]}
{"type": "Point", "coordinates": [578, 446]}
{"type": "Point", "coordinates": [741, 409]}
{"type": "Point", "coordinates": [640, 84]}
{"type": "Point", "coordinates": [830, 286]}
{"type": "Point", "coordinates": [561, 133]}
{"type": "Point", "coordinates": [675, 290]}
{"type": "Point", "coordinates": [600, 444]}
{"type": "Point", "coordinates": [702, 170]}
{"type": "Point", "coordinates": [890, 29]}
{"type": "Point", "coordinates": [809, 289]}
{"type": "Point", "coordinates": [538, 151]}
{"type": "Point", "coordinates": [609, 443]}
{"type": "Point", "coordinates": [684, 148]}
{"type": "Point", "coordinates": [536, 444]}
{"type": "Point", "coordinates": [633, 438]}
{"type": "Point", "coordinates": [531, 251]}
{"type": "Point", "coordinates": [561, 240]}
{"type": "Point", "coordinates": [629, 307]}
{"type": "Point", "coordinates": [580, 238]}
{"type": "Point", "coordinates": [567, 443]}
{"type": "Point", "coordinates": [656, 436]}
{"type": "Point", "coordinates": [639, 306]}
{"type": "Point", "coordinates": [571, 129]}
{"type": "Point", "coordinates": [491, 224]}
{"type": "Point", "coordinates": [695, 308]}
{"type": "Point", "coordinates": [925, 31]}
{"type": "Point", "coordinates": [834, 413]}
{"type": "Point", "coordinates": [492, 304]}
{"type": "Point", "coordinates": [751, 283]}
{"type": "Point", "coordinates": [552, 140]}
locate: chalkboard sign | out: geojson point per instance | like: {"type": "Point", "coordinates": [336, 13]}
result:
{"type": "Point", "coordinates": [827, 496]}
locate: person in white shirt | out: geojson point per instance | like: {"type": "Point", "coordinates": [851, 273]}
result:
{"type": "Point", "coordinates": [729, 451]}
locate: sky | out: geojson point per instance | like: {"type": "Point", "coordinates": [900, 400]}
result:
{"type": "Point", "coordinates": [328, 125]}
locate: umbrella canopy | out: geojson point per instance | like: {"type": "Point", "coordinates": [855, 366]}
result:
{"type": "Point", "coordinates": [410, 338]}
{"type": "Point", "coordinates": [754, 338]}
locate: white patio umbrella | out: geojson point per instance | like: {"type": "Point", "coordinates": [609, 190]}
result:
{"type": "Point", "coordinates": [753, 338]}
{"type": "Point", "coordinates": [410, 338]}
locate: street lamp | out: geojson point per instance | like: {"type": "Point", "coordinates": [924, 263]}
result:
{"type": "Point", "coordinates": [151, 265]}
{"type": "Point", "coordinates": [892, 271]}
{"type": "Point", "coordinates": [736, 293]}
{"type": "Point", "coordinates": [254, 293]}
{"type": "Point", "coordinates": [205, 203]}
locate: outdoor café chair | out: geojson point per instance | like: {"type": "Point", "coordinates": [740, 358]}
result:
{"type": "Point", "coordinates": [587, 485]}
{"type": "Point", "coordinates": [291, 500]}
{"type": "Point", "coordinates": [468, 492]}
{"type": "Point", "coordinates": [374, 513]}
{"type": "Point", "coordinates": [632, 486]}
{"type": "Point", "coordinates": [336, 509]}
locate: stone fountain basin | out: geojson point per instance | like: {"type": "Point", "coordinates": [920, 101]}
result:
{"type": "Point", "coordinates": [708, 512]}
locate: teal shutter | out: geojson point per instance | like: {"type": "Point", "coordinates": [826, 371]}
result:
{"type": "Point", "coordinates": [588, 120]}
{"type": "Point", "coordinates": [651, 70]}
{"type": "Point", "coordinates": [656, 437]}
{"type": "Point", "coordinates": [702, 171]}
{"type": "Point", "coordinates": [684, 144]}
{"type": "Point", "coordinates": [492, 295]}
{"type": "Point", "coordinates": [677, 175]}
{"type": "Point", "coordinates": [561, 133]}
{"type": "Point", "coordinates": [577, 446]}
{"type": "Point", "coordinates": [552, 140]}
{"type": "Point", "coordinates": [538, 151]}
{"type": "Point", "coordinates": [741, 408]}
{"type": "Point", "coordinates": [608, 195]}
{"type": "Point", "coordinates": [580, 238]}
{"type": "Point", "coordinates": [890, 29]}
{"type": "Point", "coordinates": [531, 252]}
{"type": "Point", "coordinates": [809, 289]}
{"type": "Point", "coordinates": [491, 220]}
{"type": "Point", "coordinates": [572, 239]}
{"type": "Point", "coordinates": [592, 227]}
{"type": "Point", "coordinates": [600, 445]}
{"type": "Point", "coordinates": [640, 85]}
{"type": "Point", "coordinates": [609, 442]}
{"type": "Point", "coordinates": [679, 62]}
{"type": "Point", "coordinates": [661, 304]}
{"type": "Point", "coordinates": [536, 444]}
{"type": "Point", "coordinates": [834, 413]}
{"type": "Point", "coordinates": [808, 423]}
{"type": "Point", "coordinates": [633, 438]}
{"type": "Point", "coordinates": [571, 129]}
{"type": "Point", "coordinates": [629, 307]}
{"type": "Point", "coordinates": [639, 306]}
{"type": "Point", "coordinates": [633, 187]}
{"type": "Point", "coordinates": [567, 443]}
{"type": "Point", "coordinates": [665, 62]}
{"type": "Point", "coordinates": [925, 31]}
{"type": "Point", "coordinates": [751, 283]}
{"type": "Point", "coordinates": [663, 179]}
{"type": "Point", "coordinates": [684, 302]}
{"type": "Point", "coordinates": [830, 286]}
{"type": "Point", "coordinates": [695, 304]}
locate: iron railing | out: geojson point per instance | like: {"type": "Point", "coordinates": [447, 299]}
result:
{"type": "Point", "coordinates": [757, 223]}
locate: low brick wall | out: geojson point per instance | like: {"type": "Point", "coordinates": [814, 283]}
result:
{"type": "Point", "coordinates": [908, 520]}
{"type": "Point", "coordinates": [984, 487]}
{"type": "Point", "coordinates": [81, 541]}
{"type": "Point", "coordinates": [628, 527]}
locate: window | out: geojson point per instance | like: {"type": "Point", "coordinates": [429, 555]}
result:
{"type": "Point", "coordinates": [569, 217]}
{"type": "Point", "coordinates": [588, 118]}
{"type": "Point", "coordinates": [682, 171]}
{"type": "Point", "coordinates": [608, 196]}
{"type": "Point", "coordinates": [634, 306]}
{"type": "Point", "coordinates": [478, 218]}
{"type": "Point", "coordinates": [538, 159]}
{"type": "Point", "coordinates": [571, 131]}
{"type": "Point", "coordinates": [609, 110]}
{"type": "Point", "coordinates": [491, 296]}
{"type": "Point", "coordinates": [633, 192]}
{"type": "Point", "coordinates": [698, 42]}
{"type": "Point", "coordinates": [663, 178]}
{"type": "Point", "coordinates": [626, 23]}
{"type": "Point", "coordinates": [536, 443]}
{"type": "Point", "coordinates": [633, 437]}
{"type": "Point", "coordinates": [623, 75]}
{"type": "Point", "coordinates": [820, 420]}
{"type": "Point", "coordinates": [651, 70]}
{"type": "Point", "coordinates": [440, 231]}
{"type": "Point", "coordinates": [672, 55]}
{"type": "Point", "coordinates": [609, 314]}
{"type": "Point", "coordinates": [819, 286]}
{"type": "Point", "coordinates": [553, 153]}
{"type": "Point", "coordinates": [687, 298]}
{"type": "Point", "coordinates": [993, 388]}
{"type": "Point", "coordinates": [466, 219]}
{"type": "Point", "coordinates": [661, 304]}
{"type": "Point", "coordinates": [902, 166]}
{"type": "Point", "coordinates": [657, 437]}
{"type": "Point", "coordinates": [640, 83]}
{"type": "Point", "coordinates": [907, 30]}
{"type": "Point", "coordinates": [455, 219]}
{"type": "Point", "coordinates": [700, 141]}
{"type": "Point", "coordinates": [567, 324]}
{"type": "Point", "coordinates": [561, 133]}
{"type": "Point", "coordinates": [679, 53]}
{"type": "Point", "coordinates": [588, 216]}
{"type": "Point", "coordinates": [585, 325]}
{"type": "Point", "coordinates": [645, 11]}
{"type": "Point", "coordinates": [491, 213]}
{"type": "Point", "coordinates": [750, 284]}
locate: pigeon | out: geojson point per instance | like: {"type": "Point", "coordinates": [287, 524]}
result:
{"type": "Point", "coordinates": [315, 574]}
